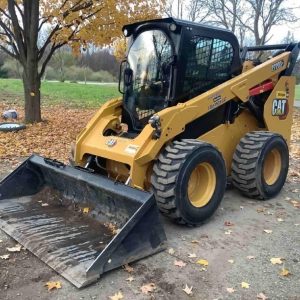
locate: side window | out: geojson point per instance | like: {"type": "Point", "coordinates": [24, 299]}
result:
{"type": "Point", "coordinates": [221, 58]}
{"type": "Point", "coordinates": [208, 63]}
{"type": "Point", "coordinates": [203, 49]}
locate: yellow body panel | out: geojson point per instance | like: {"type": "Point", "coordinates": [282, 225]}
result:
{"type": "Point", "coordinates": [278, 111]}
{"type": "Point", "coordinates": [140, 152]}
{"type": "Point", "coordinates": [226, 136]}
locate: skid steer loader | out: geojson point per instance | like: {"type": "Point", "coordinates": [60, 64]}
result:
{"type": "Point", "coordinates": [196, 110]}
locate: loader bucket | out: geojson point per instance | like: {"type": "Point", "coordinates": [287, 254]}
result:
{"type": "Point", "coordinates": [79, 223]}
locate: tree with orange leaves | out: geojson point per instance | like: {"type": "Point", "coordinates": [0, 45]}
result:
{"type": "Point", "coordinates": [61, 22]}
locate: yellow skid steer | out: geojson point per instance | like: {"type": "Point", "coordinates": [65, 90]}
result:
{"type": "Point", "coordinates": [197, 112]}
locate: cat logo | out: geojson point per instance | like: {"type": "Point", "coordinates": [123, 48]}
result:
{"type": "Point", "coordinates": [279, 107]}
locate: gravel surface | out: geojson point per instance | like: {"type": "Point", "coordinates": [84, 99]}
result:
{"type": "Point", "coordinates": [23, 276]}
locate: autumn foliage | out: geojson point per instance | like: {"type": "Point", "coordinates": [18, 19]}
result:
{"type": "Point", "coordinates": [32, 30]}
{"type": "Point", "coordinates": [50, 138]}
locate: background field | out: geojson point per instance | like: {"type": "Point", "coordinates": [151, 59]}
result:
{"type": "Point", "coordinates": [297, 95]}
{"type": "Point", "coordinates": [69, 94]}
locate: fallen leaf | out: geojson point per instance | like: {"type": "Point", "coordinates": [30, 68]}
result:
{"type": "Point", "coordinates": [230, 290]}
{"type": "Point", "coordinates": [250, 257]}
{"type": "Point", "coordinates": [17, 248]}
{"type": "Point", "coordinates": [86, 210]}
{"type": "Point", "coordinates": [297, 205]}
{"type": "Point", "coordinates": [192, 255]}
{"type": "Point", "coordinates": [284, 272]}
{"type": "Point", "coordinates": [268, 231]}
{"type": "Point", "coordinates": [171, 251]}
{"type": "Point", "coordinates": [261, 209]}
{"type": "Point", "coordinates": [276, 260]}
{"type": "Point", "coordinates": [228, 223]}
{"type": "Point", "coordinates": [230, 261]}
{"type": "Point", "coordinates": [202, 262]}
{"type": "Point", "coordinates": [245, 285]}
{"type": "Point", "coordinates": [148, 288]}
{"type": "Point", "coordinates": [195, 242]}
{"type": "Point", "coordinates": [228, 232]}
{"type": "Point", "coordinates": [130, 279]}
{"type": "Point", "coordinates": [262, 296]}
{"type": "Point", "coordinates": [5, 256]}
{"type": "Point", "coordinates": [179, 263]}
{"type": "Point", "coordinates": [280, 220]}
{"type": "Point", "coordinates": [188, 290]}
{"type": "Point", "coordinates": [116, 296]}
{"type": "Point", "coordinates": [112, 227]}
{"type": "Point", "coordinates": [128, 268]}
{"type": "Point", "coordinates": [53, 285]}
{"type": "Point", "coordinates": [269, 213]}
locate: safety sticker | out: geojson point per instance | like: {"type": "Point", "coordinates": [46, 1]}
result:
{"type": "Point", "coordinates": [217, 101]}
{"type": "Point", "coordinates": [111, 142]}
{"type": "Point", "coordinates": [132, 149]}
{"type": "Point", "coordinates": [281, 95]}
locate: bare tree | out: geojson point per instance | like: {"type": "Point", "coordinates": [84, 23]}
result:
{"type": "Point", "coordinates": [198, 10]}
{"type": "Point", "coordinates": [265, 14]}
{"type": "Point", "coordinates": [244, 17]}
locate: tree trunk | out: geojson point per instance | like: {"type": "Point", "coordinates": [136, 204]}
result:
{"type": "Point", "coordinates": [32, 84]}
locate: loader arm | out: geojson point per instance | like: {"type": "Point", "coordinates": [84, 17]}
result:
{"type": "Point", "coordinates": [174, 120]}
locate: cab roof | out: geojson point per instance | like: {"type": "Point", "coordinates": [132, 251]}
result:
{"type": "Point", "coordinates": [181, 23]}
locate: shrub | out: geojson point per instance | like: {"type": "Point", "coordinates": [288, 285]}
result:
{"type": "Point", "coordinates": [78, 74]}
{"type": "Point", "coordinates": [3, 73]}
{"type": "Point", "coordinates": [50, 74]}
{"type": "Point", "coordinates": [12, 68]}
{"type": "Point", "coordinates": [102, 76]}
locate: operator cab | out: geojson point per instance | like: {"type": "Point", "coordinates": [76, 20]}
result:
{"type": "Point", "coordinates": [171, 61]}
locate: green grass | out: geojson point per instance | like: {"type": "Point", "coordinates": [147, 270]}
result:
{"type": "Point", "coordinates": [69, 94]}
{"type": "Point", "coordinates": [297, 92]}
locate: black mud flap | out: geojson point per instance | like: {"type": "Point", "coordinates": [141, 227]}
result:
{"type": "Point", "coordinates": [80, 224]}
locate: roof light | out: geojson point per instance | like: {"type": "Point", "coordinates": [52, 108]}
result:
{"type": "Point", "coordinates": [172, 27]}
{"type": "Point", "coordinates": [126, 33]}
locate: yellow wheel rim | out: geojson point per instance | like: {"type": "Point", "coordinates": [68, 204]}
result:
{"type": "Point", "coordinates": [201, 185]}
{"type": "Point", "coordinates": [272, 167]}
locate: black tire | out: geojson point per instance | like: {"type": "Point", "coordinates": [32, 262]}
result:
{"type": "Point", "coordinates": [9, 127]}
{"type": "Point", "coordinates": [171, 177]}
{"type": "Point", "coordinates": [260, 164]}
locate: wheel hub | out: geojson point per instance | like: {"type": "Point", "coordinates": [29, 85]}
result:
{"type": "Point", "coordinates": [272, 167]}
{"type": "Point", "coordinates": [201, 185]}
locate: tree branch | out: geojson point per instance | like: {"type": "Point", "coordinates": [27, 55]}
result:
{"type": "Point", "coordinates": [8, 52]}
{"type": "Point", "coordinates": [17, 29]}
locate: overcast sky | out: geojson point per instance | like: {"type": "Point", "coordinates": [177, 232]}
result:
{"type": "Point", "coordinates": [279, 32]}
